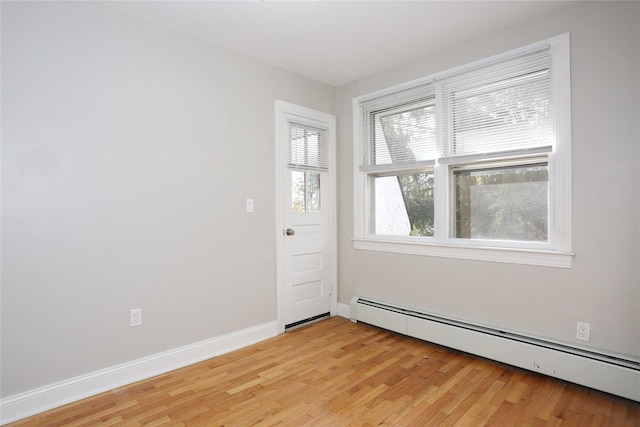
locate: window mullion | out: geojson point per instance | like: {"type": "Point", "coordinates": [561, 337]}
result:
{"type": "Point", "coordinates": [441, 203]}
{"type": "Point", "coordinates": [441, 191]}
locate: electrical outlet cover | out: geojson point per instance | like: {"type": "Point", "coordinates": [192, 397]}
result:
{"type": "Point", "coordinates": [583, 331]}
{"type": "Point", "coordinates": [135, 317]}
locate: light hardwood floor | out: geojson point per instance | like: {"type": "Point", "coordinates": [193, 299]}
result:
{"type": "Point", "coordinates": [337, 373]}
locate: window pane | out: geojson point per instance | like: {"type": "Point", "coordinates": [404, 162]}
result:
{"type": "Point", "coordinates": [308, 147]}
{"type": "Point", "coordinates": [405, 135]}
{"type": "Point", "coordinates": [297, 191]}
{"type": "Point", "coordinates": [313, 191]}
{"type": "Point", "coordinates": [506, 106]}
{"type": "Point", "coordinates": [514, 115]}
{"type": "Point", "coordinates": [510, 203]}
{"type": "Point", "coordinates": [403, 204]}
{"type": "Point", "coordinates": [305, 191]}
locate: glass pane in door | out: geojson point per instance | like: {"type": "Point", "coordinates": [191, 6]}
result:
{"type": "Point", "coordinates": [305, 191]}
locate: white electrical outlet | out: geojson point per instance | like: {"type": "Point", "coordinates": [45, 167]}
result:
{"type": "Point", "coordinates": [135, 317]}
{"type": "Point", "coordinates": [250, 205]}
{"type": "Point", "coordinates": [583, 330]}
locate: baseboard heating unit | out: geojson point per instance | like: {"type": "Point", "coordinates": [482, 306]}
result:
{"type": "Point", "coordinates": [611, 374]}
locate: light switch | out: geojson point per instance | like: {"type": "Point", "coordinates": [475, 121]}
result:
{"type": "Point", "coordinates": [249, 205]}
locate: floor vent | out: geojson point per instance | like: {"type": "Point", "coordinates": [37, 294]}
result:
{"type": "Point", "coordinates": [609, 373]}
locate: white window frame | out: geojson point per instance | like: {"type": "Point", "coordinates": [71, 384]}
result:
{"type": "Point", "coordinates": [554, 253]}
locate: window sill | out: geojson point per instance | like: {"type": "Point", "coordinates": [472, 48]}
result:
{"type": "Point", "coordinates": [544, 258]}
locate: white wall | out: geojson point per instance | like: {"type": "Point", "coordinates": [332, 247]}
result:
{"type": "Point", "coordinates": [127, 154]}
{"type": "Point", "coordinates": [602, 288]}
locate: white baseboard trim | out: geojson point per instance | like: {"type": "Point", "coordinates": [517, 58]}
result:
{"type": "Point", "coordinates": [344, 310]}
{"type": "Point", "coordinates": [61, 393]}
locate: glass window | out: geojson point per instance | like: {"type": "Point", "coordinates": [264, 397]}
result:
{"type": "Point", "coordinates": [505, 203]}
{"type": "Point", "coordinates": [469, 161]}
{"type": "Point", "coordinates": [305, 191]}
{"type": "Point", "coordinates": [403, 204]}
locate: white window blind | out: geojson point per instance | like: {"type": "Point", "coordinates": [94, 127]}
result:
{"type": "Point", "coordinates": [399, 131]}
{"type": "Point", "coordinates": [309, 148]}
{"type": "Point", "coordinates": [499, 109]}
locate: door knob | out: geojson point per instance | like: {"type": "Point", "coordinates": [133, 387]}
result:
{"type": "Point", "coordinates": [289, 231]}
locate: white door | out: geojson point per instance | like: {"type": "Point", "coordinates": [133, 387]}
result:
{"type": "Point", "coordinates": [306, 216]}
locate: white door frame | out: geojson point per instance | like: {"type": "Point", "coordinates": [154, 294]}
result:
{"type": "Point", "coordinates": [284, 114]}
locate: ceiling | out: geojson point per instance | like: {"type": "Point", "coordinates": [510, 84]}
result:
{"type": "Point", "coordinates": [335, 42]}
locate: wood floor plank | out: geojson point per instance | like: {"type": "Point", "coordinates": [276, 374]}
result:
{"type": "Point", "coordinates": [337, 373]}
